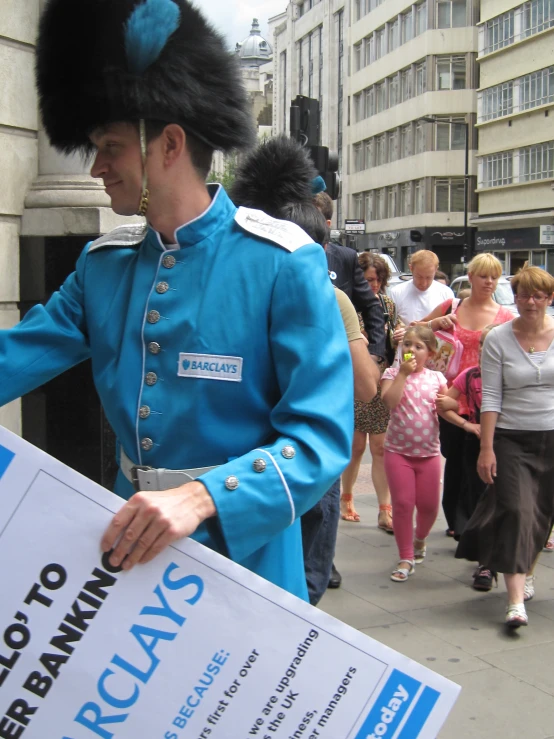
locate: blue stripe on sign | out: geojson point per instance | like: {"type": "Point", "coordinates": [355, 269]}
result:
{"type": "Point", "coordinates": [420, 714]}
{"type": "Point", "coordinates": [390, 707]}
{"type": "Point", "coordinates": [5, 458]}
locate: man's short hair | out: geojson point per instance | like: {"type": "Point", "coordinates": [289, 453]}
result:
{"type": "Point", "coordinates": [424, 258]}
{"type": "Point", "coordinates": [324, 203]}
{"type": "Point", "coordinates": [201, 154]}
{"type": "Point", "coordinates": [308, 217]}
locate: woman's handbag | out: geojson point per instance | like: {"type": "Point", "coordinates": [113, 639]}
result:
{"type": "Point", "coordinates": [390, 349]}
{"type": "Point", "coordinates": [449, 349]}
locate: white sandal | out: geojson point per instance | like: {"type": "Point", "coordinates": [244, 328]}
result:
{"type": "Point", "coordinates": [419, 554]}
{"type": "Point", "coordinates": [401, 574]}
{"type": "Point", "coordinates": [516, 616]}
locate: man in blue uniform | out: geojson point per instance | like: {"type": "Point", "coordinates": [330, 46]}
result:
{"type": "Point", "coordinates": [216, 342]}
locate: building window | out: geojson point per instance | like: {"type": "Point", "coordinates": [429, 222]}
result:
{"type": "Point", "coordinates": [378, 204]}
{"type": "Point", "coordinates": [537, 16]}
{"type": "Point", "coordinates": [419, 197]}
{"type": "Point", "coordinates": [391, 202]}
{"type": "Point", "coordinates": [381, 150]}
{"type": "Point", "coordinates": [358, 156]}
{"type": "Point", "coordinates": [497, 101]}
{"type": "Point", "coordinates": [406, 199]}
{"type": "Point", "coordinates": [499, 32]}
{"type": "Point", "coordinates": [368, 206]}
{"type": "Point", "coordinates": [392, 145]}
{"type": "Point", "coordinates": [380, 97]}
{"type": "Point", "coordinates": [369, 102]}
{"type": "Point", "coordinates": [451, 13]}
{"type": "Point", "coordinates": [358, 204]}
{"type": "Point", "coordinates": [536, 88]}
{"type": "Point", "coordinates": [497, 169]}
{"type": "Point", "coordinates": [406, 141]}
{"type": "Point", "coordinates": [449, 196]}
{"type": "Point", "coordinates": [283, 76]}
{"type": "Point", "coordinates": [368, 158]}
{"type": "Point", "coordinates": [420, 137]}
{"type": "Point", "coordinates": [394, 91]}
{"type": "Point", "coordinates": [406, 84]}
{"type": "Point", "coordinates": [379, 43]}
{"type": "Point", "coordinates": [421, 78]}
{"type": "Point", "coordinates": [450, 134]}
{"type": "Point", "coordinates": [406, 27]}
{"type": "Point", "coordinates": [451, 73]}
{"type": "Point", "coordinates": [536, 162]}
{"type": "Point", "coordinates": [394, 37]}
{"type": "Point", "coordinates": [421, 18]}
{"type": "Point", "coordinates": [357, 52]}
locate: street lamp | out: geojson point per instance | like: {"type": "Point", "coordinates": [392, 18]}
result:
{"type": "Point", "coordinates": [431, 119]}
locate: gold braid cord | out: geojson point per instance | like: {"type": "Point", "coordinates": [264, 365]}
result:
{"type": "Point", "coordinates": [145, 194]}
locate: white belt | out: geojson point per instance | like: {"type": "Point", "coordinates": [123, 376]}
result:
{"type": "Point", "coordinates": [149, 478]}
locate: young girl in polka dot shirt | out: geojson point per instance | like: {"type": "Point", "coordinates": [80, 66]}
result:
{"type": "Point", "coordinates": [412, 450]}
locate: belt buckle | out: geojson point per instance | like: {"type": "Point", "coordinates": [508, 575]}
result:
{"type": "Point", "coordinates": [134, 475]}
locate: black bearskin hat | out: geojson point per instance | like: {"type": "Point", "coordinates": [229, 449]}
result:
{"type": "Point", "coordinates": [279, 178]}
{"type": "Point", "coordinates": [103, 61]}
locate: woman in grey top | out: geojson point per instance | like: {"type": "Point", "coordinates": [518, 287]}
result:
{"type": "Point", "coordinates": [513, 519]}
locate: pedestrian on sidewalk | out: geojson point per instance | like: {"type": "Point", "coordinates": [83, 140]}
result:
{"type": "Point", "coordinates": [469, 384]}
{"type": "Point", "coordinates": [412, 452]}
{"type": "Point", "coordinates": [514, 517]}
{"type": "Point", "coordinates": [371, 419]}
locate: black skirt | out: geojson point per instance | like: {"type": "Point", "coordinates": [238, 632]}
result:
{"type": "Point", "coordinates": [513, 517]}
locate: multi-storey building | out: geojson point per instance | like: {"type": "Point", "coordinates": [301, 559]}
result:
{"type": "Point", "coordinates": [516, 132]}
{"type": "Point", "coordinates": [310, 57]}
{"type": "Point", "coordinates": [410, 62]}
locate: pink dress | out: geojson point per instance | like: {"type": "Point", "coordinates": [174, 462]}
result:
{"type": "Point", "coordinates": [470, 341]}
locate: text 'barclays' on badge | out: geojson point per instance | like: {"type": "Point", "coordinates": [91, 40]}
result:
{"type": "Point", "coordinates": [210, 367]}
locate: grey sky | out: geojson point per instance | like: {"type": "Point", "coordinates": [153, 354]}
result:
{"type": "Point", "coordinates": [233, 18]}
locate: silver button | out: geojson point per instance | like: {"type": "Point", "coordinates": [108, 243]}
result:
{"type": "Point", "coordinates": [146, 444]}
{"type": "Point", "coordinates": [154, 347]}
{"type": "Point", "coordinates": [288, 452]}
{"type": "Point", "coordinates": [144, 411]}
{"type": "Point", "coordinates": [153, 316]}
{"type": "Point", "coordinates": [151, 378]}
{"type": "Point", "coordinates": [169, 261]}
{"type": "Point", "coordinates": [162, 287]}
{"type": "Point", "coordinates": [232, 482]}
{"type": "Point", "coordinates": [259, 465]}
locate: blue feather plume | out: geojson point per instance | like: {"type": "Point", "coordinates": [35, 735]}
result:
{"type": "Point", "coordinates": [147, 32]}
{"type": "Point", "coordinates": [318, 185]}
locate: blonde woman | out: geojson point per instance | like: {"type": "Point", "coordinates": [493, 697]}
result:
{"type": "Point", "coordinates": [466, 319]}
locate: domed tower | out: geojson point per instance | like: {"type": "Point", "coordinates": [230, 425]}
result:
{"type": "Point", "coordinates": [254, 50]}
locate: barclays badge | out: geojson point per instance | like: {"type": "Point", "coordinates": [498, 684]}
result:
{"type": "Point", "coordinates": [210, 367]}
{"type": "Point", "coordinates": [333, 275]}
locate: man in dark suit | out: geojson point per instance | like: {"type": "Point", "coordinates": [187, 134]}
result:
{"type": "Point", "coordinates": [346, 274]}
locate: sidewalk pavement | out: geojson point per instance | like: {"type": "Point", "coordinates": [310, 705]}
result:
{"type": "Point", "coordinates": [437, 619]}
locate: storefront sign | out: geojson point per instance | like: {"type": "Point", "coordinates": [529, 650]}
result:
{"type": "Point", "coordinates": [353, 226]}
{"type": "Point", "coordinates": [547, 235]}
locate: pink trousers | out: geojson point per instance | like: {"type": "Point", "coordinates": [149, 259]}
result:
{"type": "Point", "coordinates": [414, 482]}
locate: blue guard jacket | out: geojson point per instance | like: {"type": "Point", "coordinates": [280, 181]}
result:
{"type": "Point", "coordinates": [221, 349]}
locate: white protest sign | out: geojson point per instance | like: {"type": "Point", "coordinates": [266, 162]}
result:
{"type": "Point", "coordinates": [190, 646]}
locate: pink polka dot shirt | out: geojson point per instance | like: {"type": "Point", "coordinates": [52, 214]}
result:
{"type": "Point", "coordinates": [414, 425]}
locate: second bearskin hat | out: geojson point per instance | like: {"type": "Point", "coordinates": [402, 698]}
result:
{"type": "Point", "coordinates": [102, 61]}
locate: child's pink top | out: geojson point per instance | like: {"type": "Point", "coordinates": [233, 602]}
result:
{"type": "Point", "coordinates": [414, 425]}
{"type": "Point", "coordinates": [474, 397]}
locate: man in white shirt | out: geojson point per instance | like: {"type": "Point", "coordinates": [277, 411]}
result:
{"type": "Point", "coordinates": [417, 298]}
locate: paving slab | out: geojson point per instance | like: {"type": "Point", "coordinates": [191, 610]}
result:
{"type": "Point", "coordinates": [356, 611]}
{"type": "Point", "coordinates": [427, 649]}
{"type": "Point", "coordinates": [529, 663]}
{"type": "Point", "coordinates": [495, 704]}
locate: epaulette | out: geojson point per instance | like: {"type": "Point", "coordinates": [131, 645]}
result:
{"type": "Point", "coordinates": [121, 236]}
{"type": "Point", "coordinates": [287, 235]}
